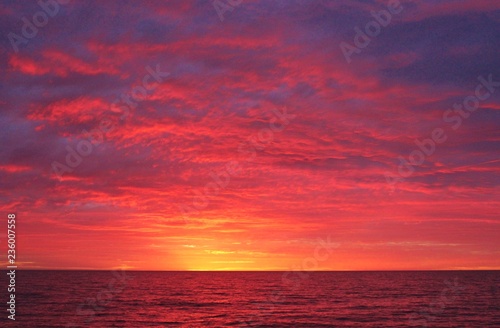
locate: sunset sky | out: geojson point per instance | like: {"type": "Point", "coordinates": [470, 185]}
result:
{"type": "Point", "coordinates": [250, 136]}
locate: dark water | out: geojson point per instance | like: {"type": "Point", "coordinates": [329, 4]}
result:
{"type": "Point", "coordinates": [256, 299]}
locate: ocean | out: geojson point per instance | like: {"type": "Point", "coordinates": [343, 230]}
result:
{"type": "Point", "coordinates": [256, 299]}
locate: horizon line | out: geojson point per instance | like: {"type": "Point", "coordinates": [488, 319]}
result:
{"type": "Point", "coordinates": [107, 270]}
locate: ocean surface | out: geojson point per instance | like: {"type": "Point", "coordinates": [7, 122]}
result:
{"type": "Point", "coordinates": [255, 299]}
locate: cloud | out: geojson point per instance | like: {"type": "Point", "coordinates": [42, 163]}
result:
{"type": "Point", "coordinates": [323, 173]}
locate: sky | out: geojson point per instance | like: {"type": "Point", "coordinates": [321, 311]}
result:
{"type": "Point", "coordinates": [251, 135]}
